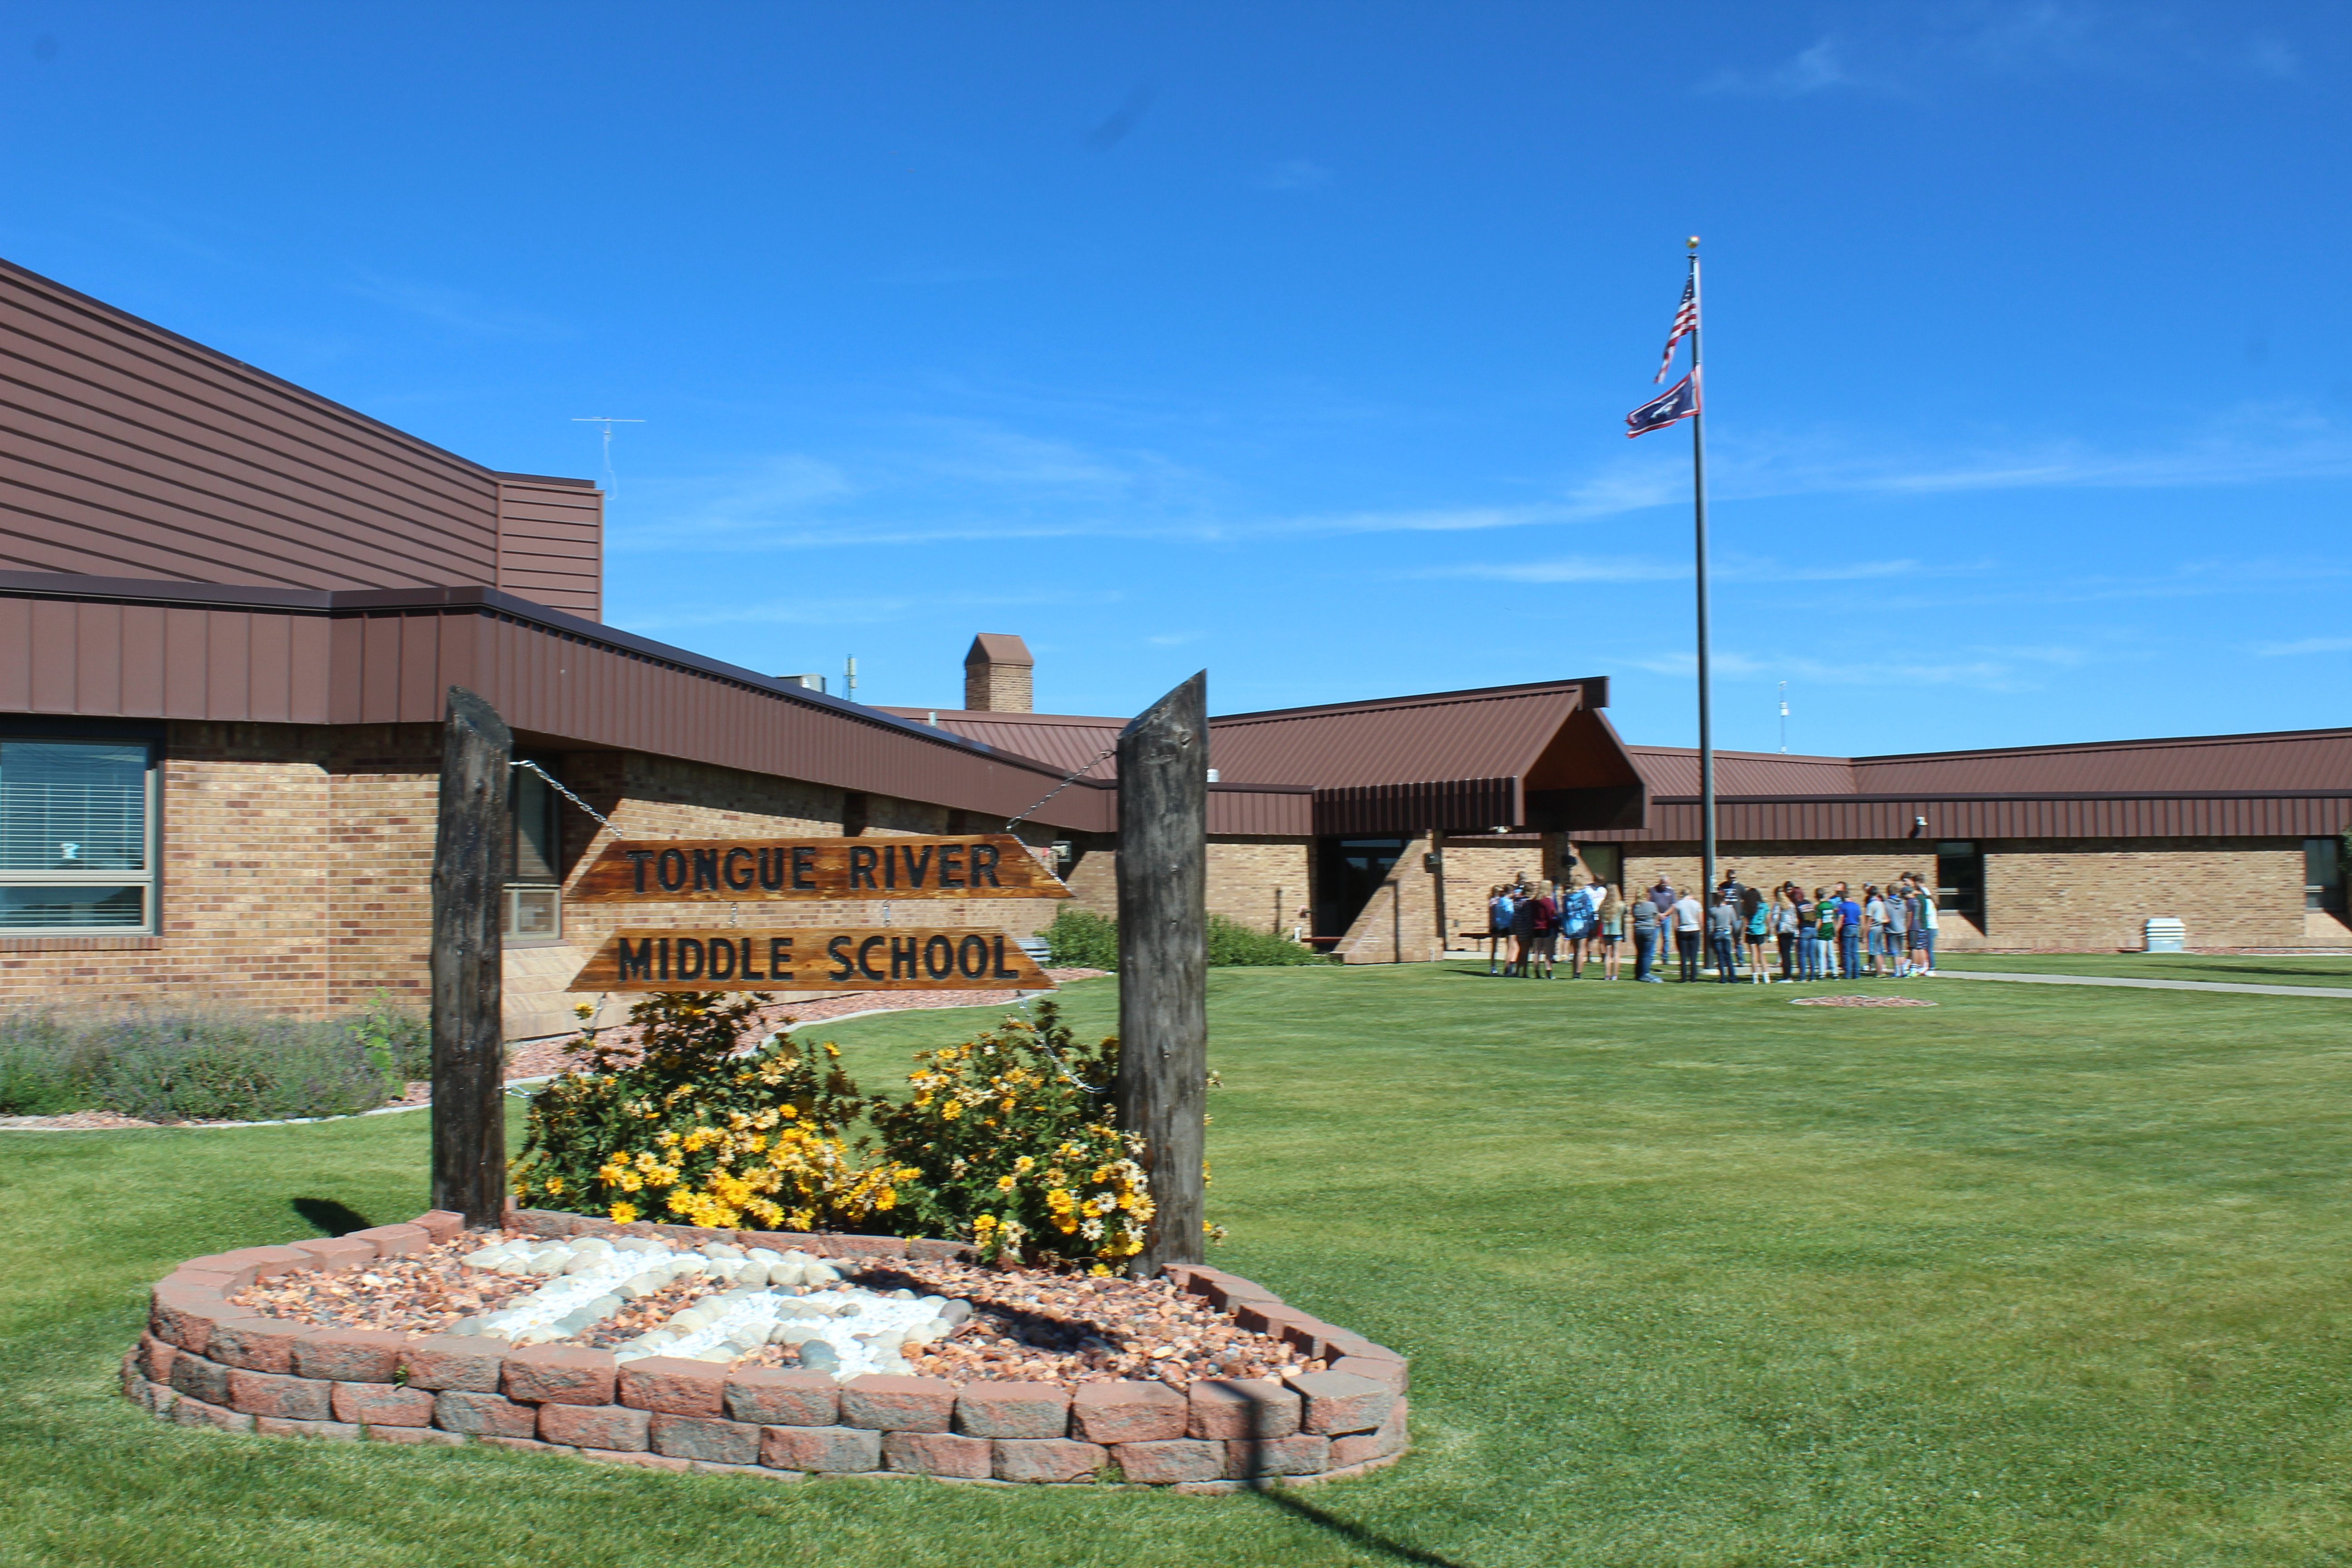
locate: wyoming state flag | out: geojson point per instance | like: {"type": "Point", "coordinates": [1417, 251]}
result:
{"type": "Point", "coordinates": [1678, 402]}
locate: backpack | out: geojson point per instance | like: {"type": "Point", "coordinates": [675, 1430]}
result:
{"type": "Point", "coordinates": [1576, 918]}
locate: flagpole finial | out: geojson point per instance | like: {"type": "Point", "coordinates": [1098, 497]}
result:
{"type": "Point", "coordinates": [1692, 242]}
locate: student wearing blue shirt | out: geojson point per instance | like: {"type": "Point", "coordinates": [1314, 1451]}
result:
{"type": "Point", "coordinates": [1849, 935]}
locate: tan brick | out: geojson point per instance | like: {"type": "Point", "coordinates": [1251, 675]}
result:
{"type": "Point", "coordinates": [383, 1404]}
{"type": "Point", "coordinates": [608, 1427]}
{"type": "Point", "coordinates": [1127, 1412]}
{"type": "Point", "coordinates": [937, 1454]}
{"type": "Point", "coordinates": [832, 1449]}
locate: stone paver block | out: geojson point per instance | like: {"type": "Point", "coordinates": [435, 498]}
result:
{"type": "Point", "coordinates": [937, 1454]}
{"type": "Point", "coordinates": [642, 1461]}
{"type": "Point", "coordinates": [1340, 1401]}
{"type": "Point", "coordinates": [383, 1404]}
{"type": "Point", "coordinates": [1304, 1453]}
{"type": "Point", "coordinates": [394, 1240]}
{"type": "Point", "coordinates": [890, 1404]}
{"type": "Point", "coordinates": [1392, 1375]}
{"type": "Point", "coordinates": [1229, 1291]}
{"type": "Point", "coordinates": [218, 1269]}
{"type": "Point", "coordinates": [184, 1315]}
{"type": "Point", "coordinates": [274, 1394]}
{"type": "Point", "coordinates": [1243, 1407]}
{"type": "Point", "coordinates": [1273, 1320]}
{"type": "Point", "coordinates": [1390, 1439]}
{"type": "Point", "coordinates": [426, 1435]}
{"type": "Point", "coordinates": [258, 1344]}
{"type": "Point", "coordinates": [190, 1412]}
{"type": "Point", "coordinates": [267, 1262]}
{"type": "Point", "coordinates": [453, 1361]}
{"type": "Point", "coordinates": [328, 1431]}
{"type": "Point", "coordinates": [441, 1225]}
{"type": "Point", "coordinates": [926, 1247]}
{"type": "Point", "coordinates": [333, 1255]}
{"type": "Point", "coordinates": [1014, 1410]}
{"type": "Point", "coordinates": [1045, 1458]}
{"type": "Point", "coordinates": [481, 1414]}
{"type": "Point", "coordinates": [155, 1357]}
{"type": "Point", "coordinates": [674, 1385]}
{"type": "Point", "coordinates": [1127, 1412]}
{"type": "Point", "coordinates": [771, 1397]}
{"type": "Point", "coordinates": [350, 1355]}
{"type": "Point", "coordinates": [1173, 1459]}
{"type": "Point", "coordinates": [830, 1449]}
{"type": "Point", "coordinates": [524, 1445]}
{"type": "Point", "coordinates": [707, 1437]}
{"type": "Point", "coordinates": [560, 1374]}
{"type": "Point", "coordinates": [609, 1427]}
{"type": "Point", "coordinates": [1339, 1341]}
{"type": "Point", "coordinates": [200, 1378]}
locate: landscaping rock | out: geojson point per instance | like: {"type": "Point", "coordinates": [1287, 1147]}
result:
{"type": "Point", "coordinates": [767, 1396]}
{"type": "Point", "coordinates": [383, 1404]}
{"type": "Point", "coordinates": [1340, 1401]}
{"type": "Point", "coordinates": [277, 1395]}
{"type": "Point", "coordinates": [452, 1362]}
{"type": "Point", "coordinates": [1045, 1458]}
{"type": "Point", "coordinates": [1303, 1455]}
{"type": "Point", "coordinates": [257, 1344]}
{"type": "Point", "coordinates": [889, 1403]}
{"type": "Point", "coordinates": [1013, 1410]}
{"type": "Point", "coordinates": [1243, 1408]}
{"type": "Point", "coordinates": [607, 1426]}
{"type": "Point", "coordinates": [706, 1438]}
{"type": "Point", "coordinates": [830, 1449]}
{"type": "Point", "coordinates": [199, 1378]}
{"type": "Point", "coordinates": [1127, 1412]}
{"type": "Point", "coordinates": [562, 1375]}
{"type": "Point", "coordinates": [326, 1431]}
{"type": "Point", "coordinates": [674, 1386]}
{"type": "Point", "coordinates": [937, 1454]}
{"type": "Point", "coordinates": [350, 1355]}
{"type": "Point", "coordinates": [1363, 1446]}
{"type": "Point", "coordinates": [1174, 1459]}
{"type": "Point", "coordinates": [481, 1414]}
{"type": "Point", "coordinates": [189, 1412]}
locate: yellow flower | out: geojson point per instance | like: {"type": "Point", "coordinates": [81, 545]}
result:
{"type": "Point", "coordinates": [951, 1111]}
{"type": "Point", "coordinates": [554, 1183]}
{"type": "Point", "coordinates": [1024, 1165]}
{"type": "Point", "coordinates": [1004, 1183]}
{"type": "Point", "coordinates": [623, 1213]}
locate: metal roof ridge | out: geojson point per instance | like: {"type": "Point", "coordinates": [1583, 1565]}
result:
{"type": "Point", "coordinates": [2142, 743]}
{"type": "Point", "coordinates": [1431, 698]}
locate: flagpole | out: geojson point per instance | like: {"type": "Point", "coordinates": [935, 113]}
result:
{"type": "Point", "coordinates": [1698, 499]}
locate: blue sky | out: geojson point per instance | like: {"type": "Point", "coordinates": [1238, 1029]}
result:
{"type": "Point", "coordinates": [1294, 340]}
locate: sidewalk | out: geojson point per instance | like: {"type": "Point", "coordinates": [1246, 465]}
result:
{"type": "Point", "coordinates": [2342, 993]}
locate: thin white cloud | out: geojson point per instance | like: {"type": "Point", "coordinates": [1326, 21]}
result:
{"type": "Point", "coordinates": [1647, 569]}
{"type": "Point", "coordinates": [1979, 669]}
{"type": "Point", "coordinates": [2304, 646]}
{"type": "Point", "coordinates": [456, 309]}
{"type": "Point", "coordinates": [1815, 69]}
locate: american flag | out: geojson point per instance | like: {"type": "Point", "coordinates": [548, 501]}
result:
{"type": "Point", "coordinates": [1685, 323]}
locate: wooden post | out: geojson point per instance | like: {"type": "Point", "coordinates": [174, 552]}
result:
{"type": "Point", "coordinates": [470, 848]}
{"type": "Point", "coordinates": [1163, 941]}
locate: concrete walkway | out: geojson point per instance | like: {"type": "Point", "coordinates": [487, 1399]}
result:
{"type": "Point", "coordinates": [2341, 993]}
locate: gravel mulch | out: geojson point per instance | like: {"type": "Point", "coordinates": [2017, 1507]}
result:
{"type": "Point", "coordinates": [1027, 1325]}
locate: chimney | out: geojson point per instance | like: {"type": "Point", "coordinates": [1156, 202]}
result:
{"type": "Point", "coordinates": [996, 675]}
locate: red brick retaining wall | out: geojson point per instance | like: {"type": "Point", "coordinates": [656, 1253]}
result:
{"type": "Point", "coordinates": [205, 1362]}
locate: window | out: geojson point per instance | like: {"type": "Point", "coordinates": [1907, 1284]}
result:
{"type": "Point", "coordinates": [2323, 874]}
{"type": "Point", "coordinates": [1960, 879]}
{"type": "Point", "coordinates": [77, 836]}
{"type": "Point", "coordinates": [534, 883]}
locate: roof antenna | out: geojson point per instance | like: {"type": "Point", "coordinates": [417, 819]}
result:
{"type": "Point", "coordinates": [612, 480]}
{"type": "Point", "coordinates": [1784, 716]}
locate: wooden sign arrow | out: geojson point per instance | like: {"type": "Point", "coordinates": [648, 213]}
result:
{"type": "Point", "coordinates": [811, 958]}
{"type": "Point", "coordinates": [668, 870]}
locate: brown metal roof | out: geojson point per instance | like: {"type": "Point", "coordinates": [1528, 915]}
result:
{"type": "Point", "coordinates": [90, 647]}
{"type": "Point", "coordinates": [1064, 741]}
{"type": "Point", "coordinates": [2292, 784]}
{"type": "Point", "coordinates": [130, 451]}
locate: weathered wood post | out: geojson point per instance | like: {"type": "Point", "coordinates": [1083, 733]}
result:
{"type": "Point", "coordinates": [470, 847]}
{"type": "Point", "coordinates": [1163, 930]}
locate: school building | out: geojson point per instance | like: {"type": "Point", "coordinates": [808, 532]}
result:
{"type": "Point", "coordinates": [230, 610]}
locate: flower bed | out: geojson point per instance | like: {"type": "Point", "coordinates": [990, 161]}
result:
{"type": "Point", "coordinates": [1330, 1404]}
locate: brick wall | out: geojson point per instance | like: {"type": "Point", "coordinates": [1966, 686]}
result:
{"type": "Point", "coordinates": [2077, 895]}
{"type": "Point", "coordinates": [1261, 883]}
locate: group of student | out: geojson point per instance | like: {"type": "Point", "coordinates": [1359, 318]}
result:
{"type": "Point", "coordinates": [1528, 925]}
{"type": "Point", "coordinates": [1882, 933]}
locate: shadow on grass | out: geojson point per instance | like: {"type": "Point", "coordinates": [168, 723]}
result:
{"type": "Point", "coordinates": [1264, 1418]}
{"type": "Point", "coordinates": [331, 1217]}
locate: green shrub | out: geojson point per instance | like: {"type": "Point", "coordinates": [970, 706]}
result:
{"type": "Point", "coordinates": [689, 1132]}
{"type": "Point", "coordinates": [208, 1064]}
{"type": "Point", "coordinates": [1080, 939]}
{"type": "Point", "coordinates": [1009, 1142]}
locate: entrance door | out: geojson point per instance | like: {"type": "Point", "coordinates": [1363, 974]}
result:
{"type": "Point", "coordinates": [1347, 873]}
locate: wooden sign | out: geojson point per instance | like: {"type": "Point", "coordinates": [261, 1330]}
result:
{"type": "Point", "coordinates": [668, 870]}
{"type": "Point", "coordinates": [811, 958]}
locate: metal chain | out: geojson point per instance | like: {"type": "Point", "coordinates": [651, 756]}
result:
{"type": "Point", "coordinates": [1110, 751]}
{"type": "Point", "coordinates": [558, 785]}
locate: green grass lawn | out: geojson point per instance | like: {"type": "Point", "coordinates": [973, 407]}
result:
{"type": "Point", "coordinates": [2042, 1275]}
{"type": "Point", "coordinates": [2241, 969]}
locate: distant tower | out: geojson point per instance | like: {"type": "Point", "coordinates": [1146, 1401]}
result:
{"type": "Point", "coordinates": [996, 675]}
